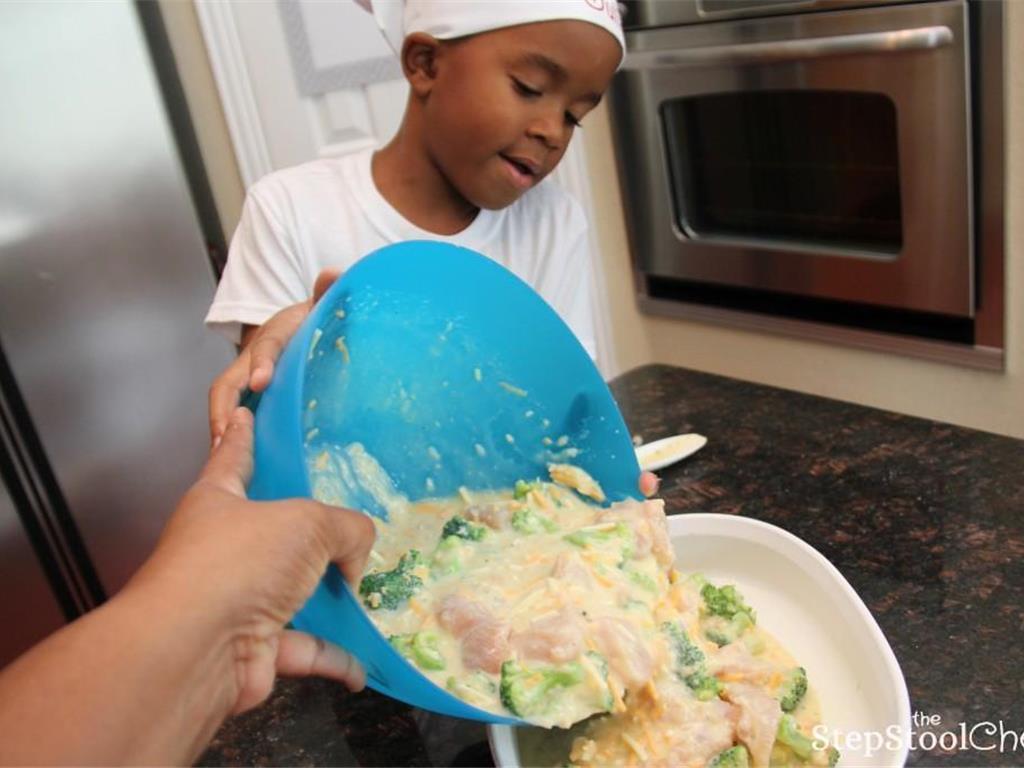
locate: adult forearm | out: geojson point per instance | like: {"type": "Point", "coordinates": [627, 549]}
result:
{"type": "Point", "coordinates": [196, 634]}
{"type": "Point", "coordinates": [137, 681]}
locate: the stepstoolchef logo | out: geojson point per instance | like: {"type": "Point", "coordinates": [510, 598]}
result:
{"type": "Point", "coordinates": [928, 733]}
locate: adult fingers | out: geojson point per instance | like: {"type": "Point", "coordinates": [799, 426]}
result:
{"type": "Point", "coordinates": [649, 484]}
{"type": "Point", "coordinates": [349, 537]}
{"type": "Point", "coordinates": [324, 281]}
{"type": "Point", "coordinates": [255, 668]}
{"type": "Point", "coordinates": [303, 655]}
{"type": "Point", "coordinates": [230, 465]}
{"type": "Point", "coordinates": [224, 394]}
{"type": "Point", "coordinates": [269, 342]}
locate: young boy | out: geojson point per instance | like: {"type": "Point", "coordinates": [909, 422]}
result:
{"type": "Point", "coordinates": [496, 90]}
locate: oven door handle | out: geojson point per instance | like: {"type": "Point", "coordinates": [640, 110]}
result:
{"type": "Point", "coordinates": [897, 41]}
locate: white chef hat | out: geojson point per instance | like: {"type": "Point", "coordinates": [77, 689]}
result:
{"type": "Point", "coordinates": [448, 19]}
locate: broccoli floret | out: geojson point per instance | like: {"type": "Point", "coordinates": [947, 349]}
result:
{"type": "Point", "coordinates": [687, 655]}
{"type": "Point", "coordinates": [528, 521]}
{"type": "Point", "coordinates": [734, 757]}
{"type": "Point", "coordinates": [833, 757]}
{"type": "Point", "coordinates": [725, 615]}
{"type": "Point", "coordinates": [523, 488]}
{"type": "Point", "coordinates": [690, 664]}
{"type": "Point", "coordinates": [704, 686]}
{"type": "Point", "coordinates": [793, 689]}
{"type": "Point", "coordinates": [477, 688]}
{"type": "Point", "coordinates": [722, 631]}
{"type": "Point", "coordinates": [601, 534]}
{"type": "Point", "coordinates": [790, 735]}
{"type": "Point", "coordinates": [724, 601]}
{"type": "Point", "coordinates": [598, 534]}
{"type": "Point", "coordinates": [421, 647]}
{"type": "Point", "coordinates": [525, 691]}
{"type": "Point", "coordinates": [642, 580]}
{"type": "Point", "coordinates": [447, 557]}
{"type": "Point", "coordinates": [402, 644]}
{"type": "Point", "coordinates": [389, 589]}
{"type": "Point", "coordinates": [461, 528]}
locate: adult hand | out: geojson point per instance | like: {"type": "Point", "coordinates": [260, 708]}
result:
{"type": "Point", "coordinates": [259, 562]}
{"type": "Point", "coordinates": [198, 633]}
{"type": "Point", "coordinates": [261, 347]}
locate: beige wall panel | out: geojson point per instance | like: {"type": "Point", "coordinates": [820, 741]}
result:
{"type": "Point", "coordinates": [204, 105]}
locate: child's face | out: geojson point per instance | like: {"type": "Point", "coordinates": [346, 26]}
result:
{"type": "Point", "coordinates": [504, 104]}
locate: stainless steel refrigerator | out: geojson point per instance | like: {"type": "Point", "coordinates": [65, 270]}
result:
{"type": "Point", "coordinates": [106, 239]}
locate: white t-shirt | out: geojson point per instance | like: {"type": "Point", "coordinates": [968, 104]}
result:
{"type": "Point", "coordinates": [329, 213]}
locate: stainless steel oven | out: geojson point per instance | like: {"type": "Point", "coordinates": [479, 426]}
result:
{"type": "Point", "coordinates": [818, 149]}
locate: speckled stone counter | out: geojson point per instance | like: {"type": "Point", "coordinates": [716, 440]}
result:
{"type": "Point", "coordinates": [924, 519]}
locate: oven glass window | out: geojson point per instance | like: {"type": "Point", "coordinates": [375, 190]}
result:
{"type": "Point", "coordinates": [816, 168]}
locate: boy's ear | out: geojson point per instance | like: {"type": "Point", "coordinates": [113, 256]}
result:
{"type": "Point", "coordinates": [419, 61]}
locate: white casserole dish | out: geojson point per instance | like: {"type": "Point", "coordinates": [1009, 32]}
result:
{"type": "Point", "coordinates": [803, 601]}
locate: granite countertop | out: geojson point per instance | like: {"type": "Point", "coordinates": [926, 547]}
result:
{"type": "Point", "coordinates": [925, 520]}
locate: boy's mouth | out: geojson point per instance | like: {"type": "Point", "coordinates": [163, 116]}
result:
{"type": "Point", "coordinates": [522, 170]}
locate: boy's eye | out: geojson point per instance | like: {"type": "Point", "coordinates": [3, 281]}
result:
{"type": "Point", "coordinates": [525, 89]}
{"type": "Point", "coordinates": [572, 120]}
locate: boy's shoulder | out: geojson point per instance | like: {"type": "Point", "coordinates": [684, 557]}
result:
{"type": "Point", "coordinates": [314, 178]}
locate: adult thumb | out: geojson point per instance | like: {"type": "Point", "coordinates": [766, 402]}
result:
{"type": "Point", "coordinates": [230, 464]}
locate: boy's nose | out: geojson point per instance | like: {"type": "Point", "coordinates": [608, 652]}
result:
{"type": "Point", "coordinates": [550, 128]}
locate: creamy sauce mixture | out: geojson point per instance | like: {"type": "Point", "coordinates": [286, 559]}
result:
{"type": "Point", "coordinates": [536, 602]}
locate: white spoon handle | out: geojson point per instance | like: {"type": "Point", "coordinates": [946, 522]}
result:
{"type": "Point", "coordinates": [668, 450]}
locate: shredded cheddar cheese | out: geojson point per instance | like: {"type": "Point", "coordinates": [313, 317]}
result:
{"type": "Point", "coordinates": [342, 347]}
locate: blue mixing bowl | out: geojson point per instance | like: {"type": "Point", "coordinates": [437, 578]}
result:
{"type": "Point", "coordinates": [451, 372]}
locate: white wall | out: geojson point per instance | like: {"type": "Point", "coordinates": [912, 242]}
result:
{"type": "Point", "coordinates": [980, 399]}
